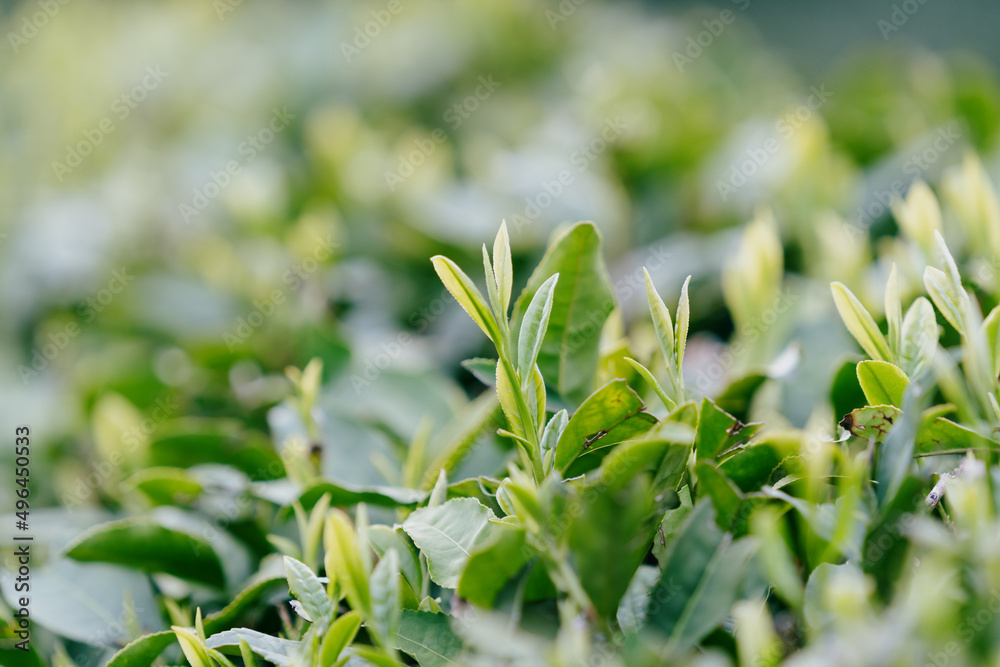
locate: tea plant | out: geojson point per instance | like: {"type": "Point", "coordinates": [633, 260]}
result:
{"type": "Point", "coordinates": [631, 521]}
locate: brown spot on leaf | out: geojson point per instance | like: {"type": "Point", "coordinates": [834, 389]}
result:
{"type": "Point", "coordinates": [848, 421]}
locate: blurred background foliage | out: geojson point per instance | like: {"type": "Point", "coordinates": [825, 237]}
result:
{"type": "Point", "coordinates": [144, 271]}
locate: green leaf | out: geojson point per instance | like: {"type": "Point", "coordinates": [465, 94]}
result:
{"type": "Point", "coordinates": [554, 430]}
{"type": "Point", "coordinates": [308, 589]}
{"type": "Point", "coordinates": [384, 539]}
{"type": "Point", "coordinates": [662, 324]}
{"type": "Point", "coordinates": [386, 597]}
{"type": "Point", "coordinates": [448, 535]}
{"type": "Point", "coordinates": [193, 649]}
{"type": "Point", "coordinates": [339, 637]}
{"type": "Point", "coordinates": [612, 414]}
{"type": "Point", "coordinates": [506, 386]}
{"type": "Point", "coordinates": [700, 578]}
{"type": "Point", "coordinates": [882, 382]}
{"type": "Point", "coordinates": [991, 331]}
{"type": "Point", "coordinates": [631, 614]}
{"type": "Point", "coordinates": [582, 303]}
{"type": "Point", "coordinates": [461, 435]}
{"type": "Point", "coordinates": [503, 269]}
{"type": "Point", "coordinates": [683, 318]}
{"type": "Point", "coordinates": [164, 486]}
{"type": "Point", "coordinates": [268, 578]}
{"type": "Point", "coordinates": [485, 370]}
{"type": "Point", "coordinates": [873, 421]}
{"type": "Point", "coordinates": [632, 457]}
{"type": "Point", "coordinates": [609, 533]}
{"type": "Point", "coordinates": [274, 649]}
{"type": "Point", "coordinates": [941, 435]}
{"type": "Point", "coordinates": [895, 457]}
{"type": "Point", "coordinates": [737, 397]}
{"type": "Point", "coordinates": [493, 565]}
{"type": "Point", "coordinates": [944, 296]}
{"type": "Point", "coordinates": [343, 494]}
{"type": "Point", "coordinates": [860, 323]}
{"type": "Point", "coordinates": [143, 651]}
{"type": "Point", "coordinates": [144, 544]}
{"type": "Point", "coordinates": [345, 563]}
{"type": "Point", "coordinates": [751, 468]}
{"type": "Point", "coordinates": [718, 430]}
{"type": "Point", "coordinates": [670, 526]}
{"type": "Point", "coordinates": [534, 326]}
{"type": "Point", "coordinates": [467, 295]}
{"type": "Point", "coordinates": [648, 376]}
{"type": "Point", "coordinates": [491, 286]}
{"type": "Point", "coordinates": [723, 493]}
{"type": "Point", "coordinates": [918, 338]}
{"type": "Point", "coordinates": [187, 442]}
{"type": "Point", "coordinates": [428, 637]}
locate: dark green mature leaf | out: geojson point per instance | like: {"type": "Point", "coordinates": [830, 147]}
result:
{"type": "Point", "coordinates": [671, 524]}
{"type": "Point", "coordinates": [737, 397]}
{"type": "Point", "coordinates": [164, 486]}
{"type": "Point", "coordinates": [751, 468]}
{"type": "Point", "coordinates": [428, 637]}
{"type": "Point", "coordinates": [143, 651]}
{"type": "Point", "coordinates": [448, 535]}
{"type": "Point", "coordinates": [343, 494]}
{"type": "Point", "coordinates": [269, 578]}
{"type": "Point", "coordinates": [630, 458]}
{"type": "Point", "coordinates": [700, 578]}
{"type": "Point", "coordinates": [845, 392]}
{"type": "Point", "coordinates": [582, 302]}
{"type": "Point", "coordinates": [187, 442]}
{"type": "Point", "coordinates": [943, 435]}
{"type": "Point", "coordinates": [724, 495]}
{"type": "Point", "coordinates": [143, 544]}
{"type": "Point", "coordinates": [493, 565]}
{"type": "Point", "coordinates": [718, 430]}
{"type": "Point", "coordinates": [609, 535]}
{"type": "Point", "coordinates": [612, 414]}
{"type": "Point", "coordinates": [882, 382]}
